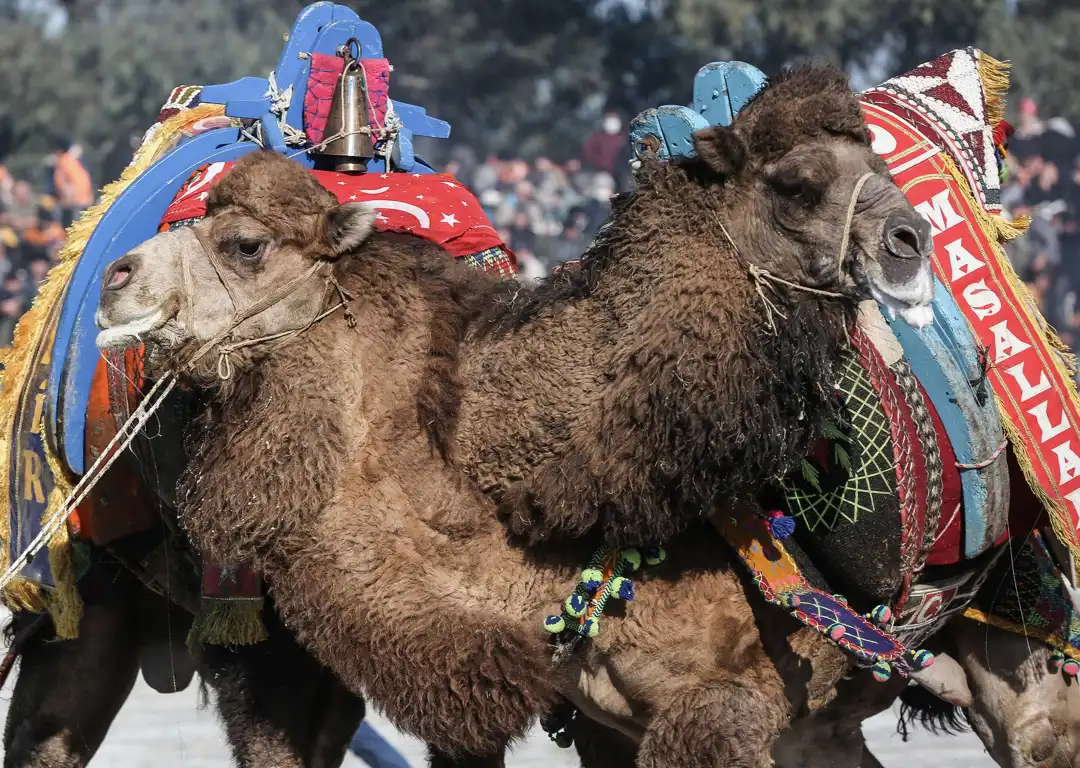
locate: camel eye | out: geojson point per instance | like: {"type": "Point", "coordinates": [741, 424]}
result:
{"type": "Point", "coordinates": [798, 189]}
{"type": "Point", "coordinates": [249, 249]}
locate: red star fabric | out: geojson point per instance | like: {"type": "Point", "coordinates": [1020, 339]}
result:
{"type": "Point", "coordinates": [433, 206]}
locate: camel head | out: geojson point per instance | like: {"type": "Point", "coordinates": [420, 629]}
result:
{"type": "Point", "coordinates": [268, 224]}
{"type": "Point", "coordinates": [809, 200]}
{"type": "Point", "coordinates": [1025, 712]}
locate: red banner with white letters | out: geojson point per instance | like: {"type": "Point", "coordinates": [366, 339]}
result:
{"type": "Point", "coordinates": [1035, 394]}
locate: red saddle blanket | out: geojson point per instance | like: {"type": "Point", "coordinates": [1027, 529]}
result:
{"type": "Point", "coordinates": [433, 206]}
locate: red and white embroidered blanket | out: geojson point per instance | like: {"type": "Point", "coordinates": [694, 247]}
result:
{"type": "Point", "coordinates": [935, 128]}
{"type": "Point", "coordinates": [433, 206]}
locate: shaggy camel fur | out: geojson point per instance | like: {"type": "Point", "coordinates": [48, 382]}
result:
{"type": "Point", "coordinates": [618, 402]}
{"type": "Point", "coordinates": [278, 705]}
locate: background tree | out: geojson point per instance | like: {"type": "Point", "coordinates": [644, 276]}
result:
{"type": "Point", "coordinates": [515, 76]}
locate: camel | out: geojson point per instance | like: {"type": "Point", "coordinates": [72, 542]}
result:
{"type": "Point", "coordinates": [374, 408]}
{"type": "Point", "coordinates": [278, 705]}
{"type": "Point", "coordinates": [1024, 712]}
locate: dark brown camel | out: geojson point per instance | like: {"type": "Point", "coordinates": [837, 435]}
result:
{"type": "Point", "coordinates": [351, 462]}
{"type": "Point", "coordinates": [278, 705]}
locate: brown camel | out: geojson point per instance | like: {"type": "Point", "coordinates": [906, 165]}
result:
{"type": "Point", "coordinates": [279, 706]}
{"type": "Point", "coordinates": [1025, 713]}
{"type": "Point", "coordinates": [356, 458]}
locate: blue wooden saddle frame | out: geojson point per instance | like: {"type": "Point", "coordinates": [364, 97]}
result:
{"type": "Point", "coordinates": [944, 357]}
{"type": "Point", "coordinates": [135, 215]}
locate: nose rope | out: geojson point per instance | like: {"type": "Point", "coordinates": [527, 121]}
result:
{"type": "Point", "coordinates": [763, 278]}
{"type": "Point", "coordinates": [241, 314]}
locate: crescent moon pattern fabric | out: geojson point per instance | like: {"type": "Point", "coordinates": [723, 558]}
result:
{"type": "Point", "coordinates": [434, 206]}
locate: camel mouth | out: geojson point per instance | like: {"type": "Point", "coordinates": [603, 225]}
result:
{"type": "Point", "coordinates": [132, 332]}
{"type": "Point", "coordinates": [909, 299]}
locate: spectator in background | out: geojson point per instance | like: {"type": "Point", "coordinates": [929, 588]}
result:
{"type": "Point", "coordinates": [74, 191]}
{"type": "Point", "coordinates": [607, 149]}
{"type": "Point", "coordinates": [7, 186]}
{"type": "Point", "coordinates": [22, 210]}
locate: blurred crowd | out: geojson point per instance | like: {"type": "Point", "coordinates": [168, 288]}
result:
{"type": "Point", "coordinates": [545, 211]}
{"type": "Point", "coordinates": [1044, 183]}
{"type": "Point", "coordinates": [548, 212]}
{"type": "Point", "coordinates": [33, 218]}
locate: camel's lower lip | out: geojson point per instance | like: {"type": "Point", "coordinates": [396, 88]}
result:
{"type": "Point", "coordinates": [131, 332]}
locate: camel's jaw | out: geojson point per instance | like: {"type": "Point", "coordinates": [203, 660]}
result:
{"type": "Point", "coordinates": [119, 332]}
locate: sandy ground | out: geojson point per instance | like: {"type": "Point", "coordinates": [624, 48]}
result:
{"type": "Point", "coordinates": [157, 731]}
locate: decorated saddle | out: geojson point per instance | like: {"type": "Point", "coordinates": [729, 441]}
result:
{"type": "Point", "coordinates": [63, 401]}
{"type": "Point", "coordinates": [959, 439]}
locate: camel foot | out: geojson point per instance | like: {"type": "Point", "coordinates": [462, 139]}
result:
{"type": "Point", "coordinates": [601, 747]}
{"type": "Point", "coordinates": [723, 725]}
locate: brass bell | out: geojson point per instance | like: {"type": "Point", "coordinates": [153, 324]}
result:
{"type": "Point", "coordinates": [348, 129]}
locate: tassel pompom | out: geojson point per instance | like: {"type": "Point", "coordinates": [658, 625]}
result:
{"type": "Point", "coordinates": [632, 559]}
{"type": "Point", "coordinates": [882, 671]}
{"type": "Point", "coordinates": [554, 624]}
{"type": "Point", "coordinates": [1057, 661]}
{"type": "Point", "coordinates": [882, 614]}
{"type": "Point", "coordinates": [622, 588]}
{"type": "Point", "coordinates": [592, 579]}
{"type": "Point", "coordinates": [780, 525]}
{"type": "Point", "coordinates": [576, 605]}
{"type": "Point", "coordinates": [922, 659]}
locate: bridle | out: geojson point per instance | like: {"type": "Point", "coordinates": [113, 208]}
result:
{"type": "Point", "coordinates": [243, 313]}
{"type": "Point", "coordinates": [764, 278]}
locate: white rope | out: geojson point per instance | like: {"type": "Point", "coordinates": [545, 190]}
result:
{"type": "Point", "coordinates": [763, 277]}
{"type": "Point", "coordinates": [121, 440]}
{"type": "Point", "coordinates": [280, 101]}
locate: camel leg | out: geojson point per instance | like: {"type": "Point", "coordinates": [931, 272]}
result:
{"type": "Point", "coordinates": [719, 723]}
{"type": "Point", "coordinates": [601, 747]}
{"type": "Point", "coordinates": [279, 706]}
{"type": "Point", "coordinates": [68, 692]}
{"type": "Point", "coordinates": [437, 759]}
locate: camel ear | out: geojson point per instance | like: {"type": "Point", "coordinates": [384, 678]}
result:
{"type": "Point", "coordinates": [348, 226]}
{"type": "Point", "coordinates": [721, 149]}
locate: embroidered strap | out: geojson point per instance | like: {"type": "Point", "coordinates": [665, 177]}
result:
{"type": "Point", "coordinates": [782, 583]}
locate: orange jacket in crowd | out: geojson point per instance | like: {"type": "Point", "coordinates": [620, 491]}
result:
{"type": "Point", "coordinates": [73, 186]}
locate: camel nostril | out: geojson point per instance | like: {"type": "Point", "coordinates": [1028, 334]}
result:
{"type": "Point", "coordinates": [117, 276]}
{"type": "Point", "coordinates": [903, 242]}
{"type": "Point", "coordinates": [908, 238]}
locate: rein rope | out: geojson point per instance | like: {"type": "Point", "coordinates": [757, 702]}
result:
{"type": "Point", "coordinates": [154, 398]}
{"type": "Point", "coordinates": [240, 315]}
{"type": "Point", "coordinates": [763, 278]}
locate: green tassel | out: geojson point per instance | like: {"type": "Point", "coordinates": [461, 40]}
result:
{"type": "Point", "coordinates": [228, 622]}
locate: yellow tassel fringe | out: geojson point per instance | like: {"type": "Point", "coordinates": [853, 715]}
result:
{"type": "Point", "coordinates": [995, 81]}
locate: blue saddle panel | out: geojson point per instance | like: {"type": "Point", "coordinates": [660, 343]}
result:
{"type": "Point", "coordinates": [721, 89]}
{"type": "Point", "coordinates": [135, 215]}
{"type": "Point", "coordinates": [943, 357]}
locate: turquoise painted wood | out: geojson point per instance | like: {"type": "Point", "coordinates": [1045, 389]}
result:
{"type": "Point", "coordinates": [723, 88]}
{"type": "Point", "coordinates": [944, 359]}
